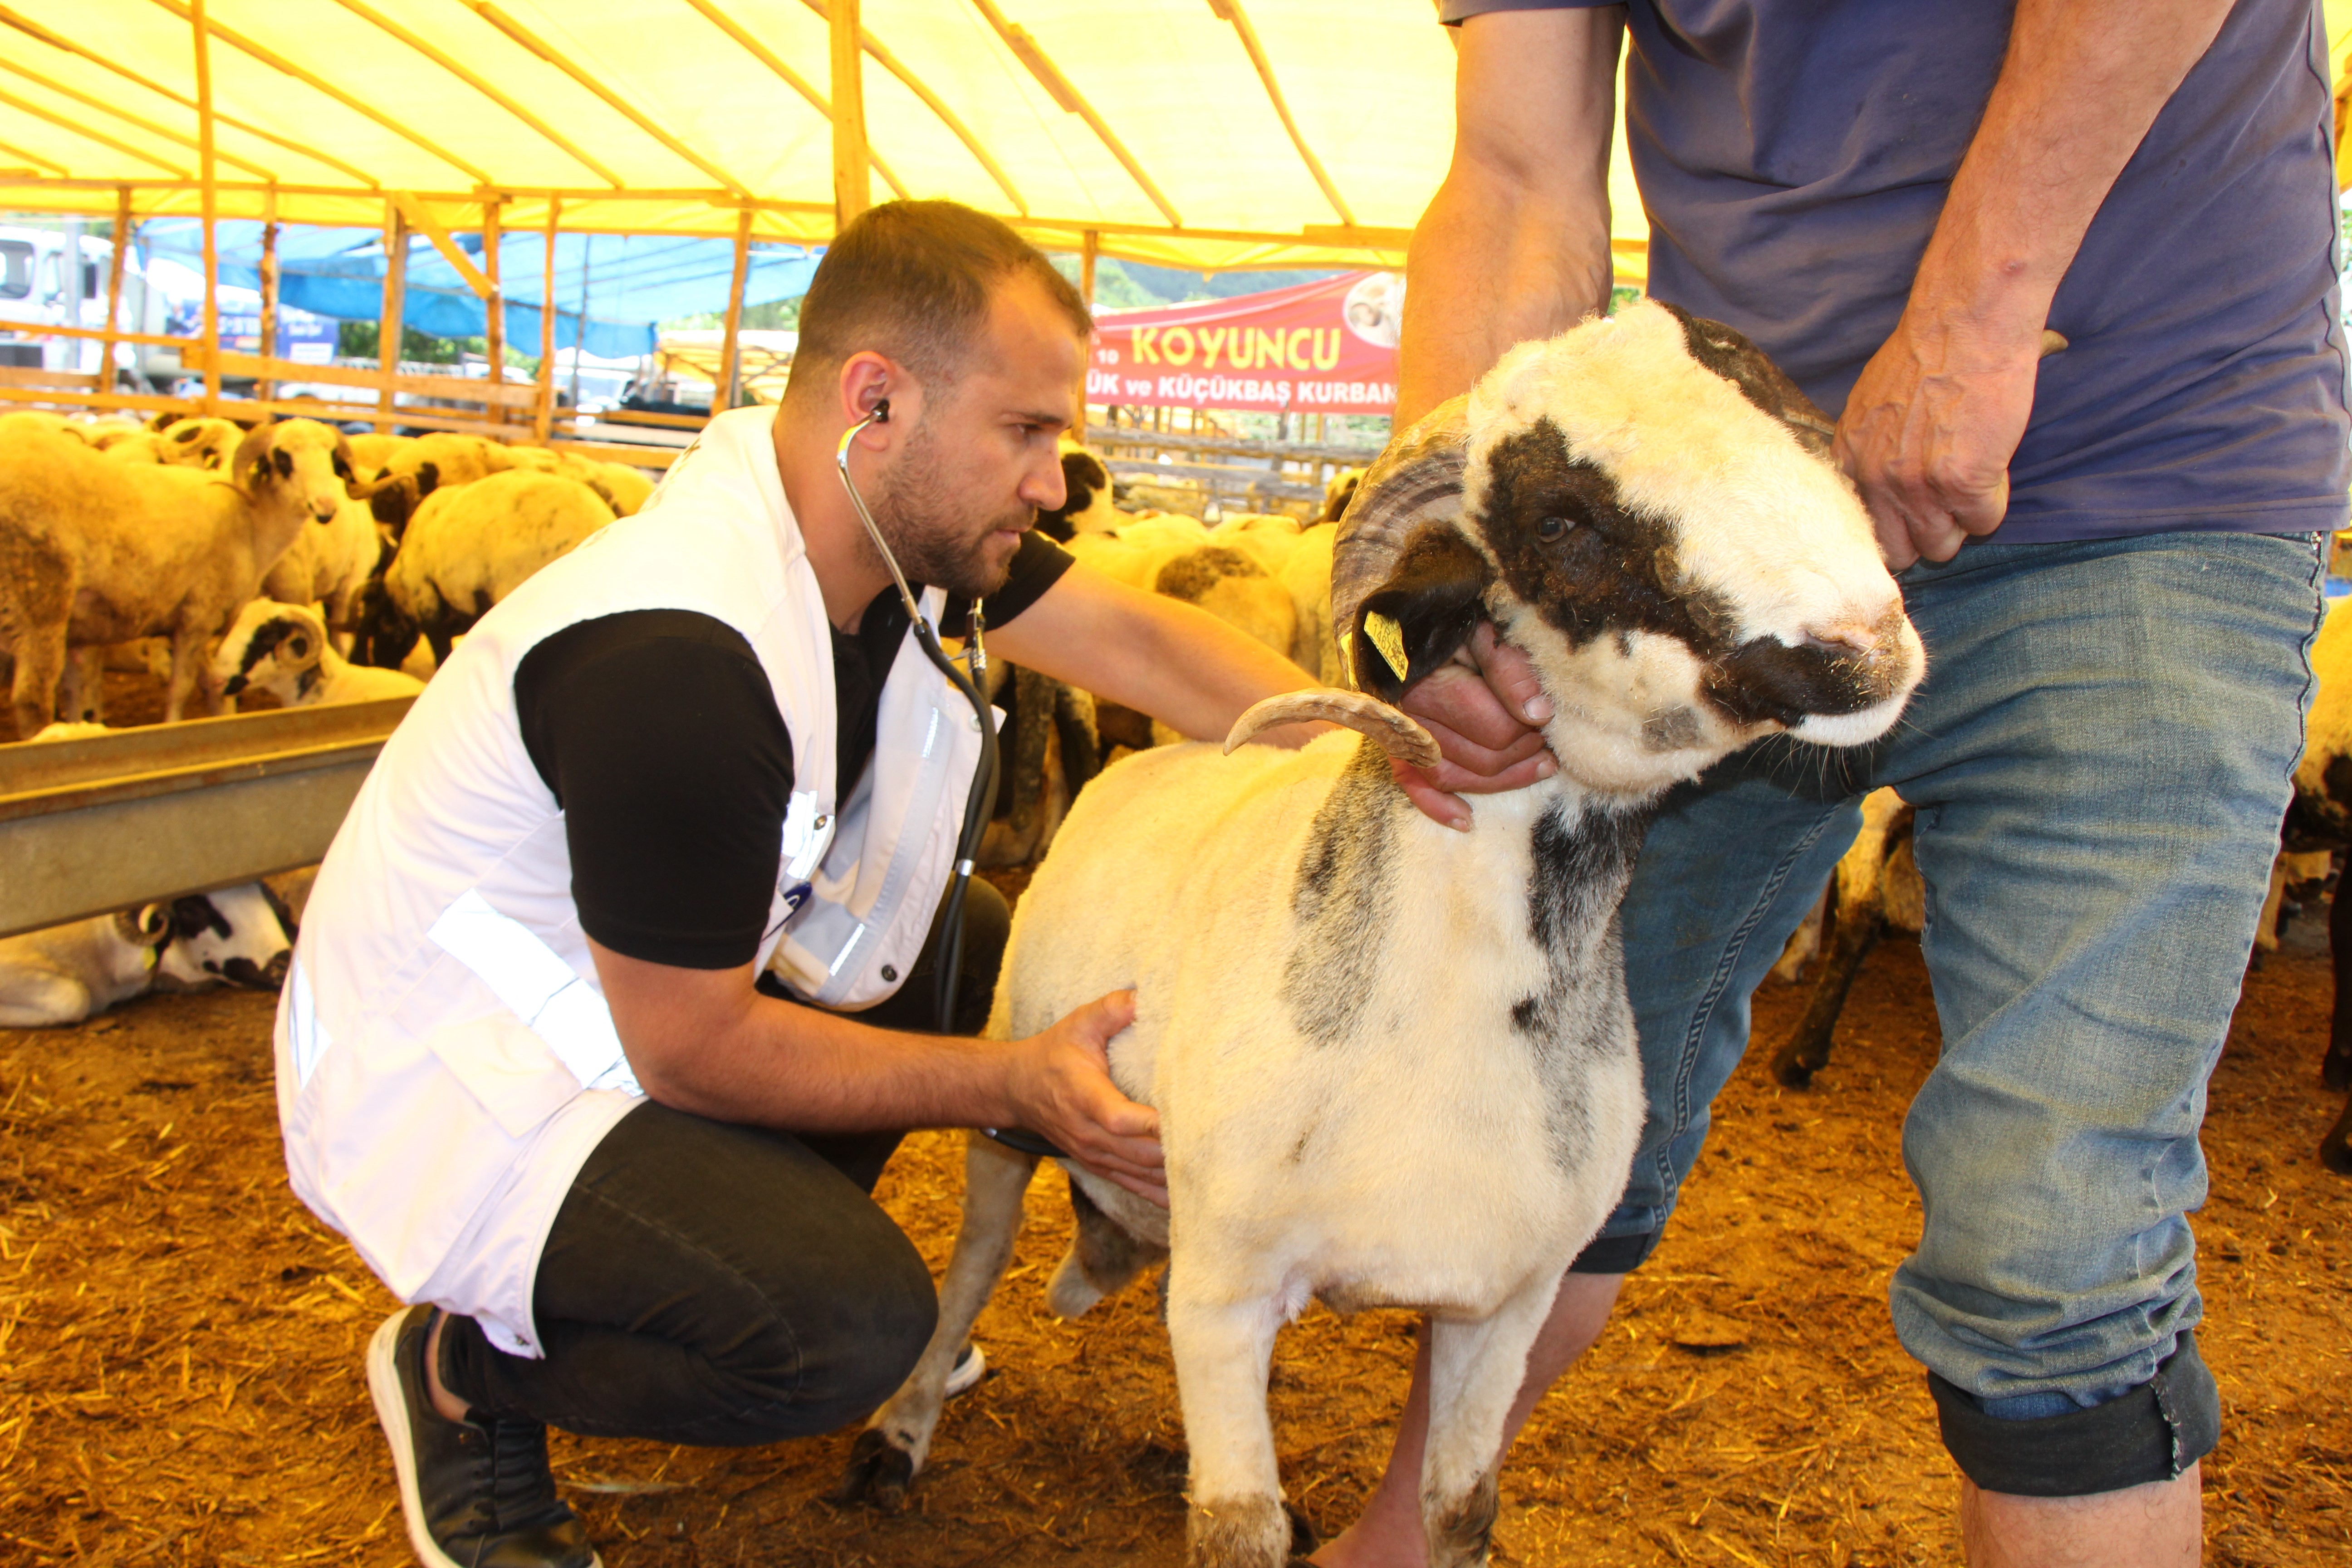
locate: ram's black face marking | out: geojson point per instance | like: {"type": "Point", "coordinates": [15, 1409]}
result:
{"type": "Point", "coordinates": [196, 914]}
{"type": "Point", "coordinates": [283, 461]}
{"type": "Point", "coordinates": [1764, 680]}
{"type": "Point", "coordinates": [1729, 354]}
{"type": "Point", "coordinates": [260, 646]}
{"type": "Point", "coordinates": [1610, 571]}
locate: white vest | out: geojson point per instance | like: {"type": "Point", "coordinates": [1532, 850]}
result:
{"type": "Point", "coordinates": [446, 1062]}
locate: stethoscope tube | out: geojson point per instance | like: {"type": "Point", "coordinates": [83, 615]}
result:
{"type": "Point", "coordinates": [981, 802]}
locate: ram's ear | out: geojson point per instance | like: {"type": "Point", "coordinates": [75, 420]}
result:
{"type": "Point", "coordinates": [1421, 615]}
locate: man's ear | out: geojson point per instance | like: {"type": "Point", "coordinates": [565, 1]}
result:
{"type": "Point", "coordinates": [1420, 617]}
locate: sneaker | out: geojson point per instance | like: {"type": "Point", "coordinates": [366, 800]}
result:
{"type": "Point", "coordinates": [477, 1494]}
{"type": "Point", "coordinates": [968, 1369]}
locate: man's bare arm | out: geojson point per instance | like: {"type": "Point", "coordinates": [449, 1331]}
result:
{"type": "Point", "coordinates": [1159, 656]}
{"type": "Point", "coordinates": [1932, 425]}
{"type": "Point", "coordinates": [1515, 245]}
{"type": "Point", "coordinates": [705, 1041]}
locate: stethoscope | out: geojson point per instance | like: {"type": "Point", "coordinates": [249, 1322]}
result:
{"type": "Point", "coordinates": [981, 802]}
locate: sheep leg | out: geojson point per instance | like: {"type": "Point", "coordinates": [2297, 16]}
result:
{"type": "Point", "coordinates": [2335, 1149]}
{"type": "Point", "coordinates": [1222, 1339]}
{"type": "Point", "coordinates": [2335, 1070]}
{"type": "Point", "coordinates": [898, 1437]}
{"type": "Point", "coordinates": [1807, 1049]}
{"type": "Point", "coordinates": [1103, 1257]}
{"type": "Point", "coordinates": [36, 999]}
{"type": "Point", "coordinates": [187, 659]}
{"type": "Point", "coordinates": [81, 692]}
{"type": "Point", "coordinates": [1475, 1367]}
{"type": "Point", "coordinates": [40, 653]}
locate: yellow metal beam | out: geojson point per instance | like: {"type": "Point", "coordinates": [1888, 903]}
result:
{"type": "Point", "coordinates": [479, 84]}
{"type": "Point", "coordinates": [420, 218]}
{"type": "Point", "coordinates": [149, 126]}
{"type": "Point", "coordinates": [852, 193]}
{"type": "Point", "coordinates": [84, 131]}
{"type": "Point", "coordinates": [1057, 86]}
{"type": "Point", "coordinates": [205, 171]}
{"type": "Point", "coordinates": [1230, 11]}
{"type": "Point", "coordinates": [534, 44]}
{"type": "Point", "coordinates": [932, 101]}
{"type": "Point", "coordinates": [318, 83]}
{"type": "Point", "coordinates": [767, 57]}
{"type": "Point", "coordinates": [36, 161]}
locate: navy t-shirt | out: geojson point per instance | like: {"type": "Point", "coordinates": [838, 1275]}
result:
{"type": "Point", "coordinates": [1793, 160]}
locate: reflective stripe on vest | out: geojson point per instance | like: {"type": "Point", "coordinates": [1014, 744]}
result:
{"type": "Point", "coordinates": [540, 989]}
{"type": "Point", "coordinates": [304, 1032]}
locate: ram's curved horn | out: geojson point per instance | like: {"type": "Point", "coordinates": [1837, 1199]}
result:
{"type": "Point", "coordinates": [250, 449]}
{"type": "Point", "coordinates": [1397, 734]}
{"type": "Point", "coordinates": [1416, 479]}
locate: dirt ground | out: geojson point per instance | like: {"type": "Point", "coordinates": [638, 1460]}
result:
{"type": "Point", "coordinates": [180, 1343]}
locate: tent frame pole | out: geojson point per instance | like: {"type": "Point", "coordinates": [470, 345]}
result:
{"type": "Point", "coordinates": [543, 423]}
{"type": "Point", "coordinates": [730, 355]}
{"type": "Point", "coordinates": [1089, 251]}
{"type": "Point", "coordinates": [852, 189]}
{"type": "Point", "coordinates": [210, 198]}
{"type": "Point", "coordinates": [494, 317]}
{"type": "Point", "coordinates": [267, 388]}
{"type": "Point", "coordinates": [114, 288]}
{"type": "Point", "coordinates": [395, 299]}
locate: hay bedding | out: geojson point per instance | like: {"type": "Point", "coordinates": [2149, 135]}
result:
{"type": "Point", "coordinates": [180, 1376]}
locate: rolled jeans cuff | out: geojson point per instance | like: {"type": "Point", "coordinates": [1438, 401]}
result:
{"type": "Point", "coordinates": [2153, 1432]}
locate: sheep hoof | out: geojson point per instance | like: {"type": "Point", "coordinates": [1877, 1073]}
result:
{"type": "Point", "coordinates": [2335, 1070]}
{"type": "Point", "coordinates": [878, 1472]}
{"type": "Point", "coordinates": [1793, 1072]}
{"type": "Point", "coordinates": [1303, 1539]}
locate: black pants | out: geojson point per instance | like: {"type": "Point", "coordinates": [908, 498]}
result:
{"type": "Point", "coordinates": [711, 1283]}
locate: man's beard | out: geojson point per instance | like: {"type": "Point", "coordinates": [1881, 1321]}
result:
{"type": "Point", "coordinates": [930, 528]}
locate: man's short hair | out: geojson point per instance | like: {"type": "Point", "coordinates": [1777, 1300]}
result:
{"type": "Point", "coordinates": [912, 281]}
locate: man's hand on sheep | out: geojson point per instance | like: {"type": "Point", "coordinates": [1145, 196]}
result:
{"type": "Point", "coordinates": [707, 1042]}
{"type": "Point", "coordinates": [1485, 710]}
{"type": "Point", "coordinates": [1061, 1085]}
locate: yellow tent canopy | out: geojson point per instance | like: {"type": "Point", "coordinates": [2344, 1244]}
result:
{"type": "Point", "coordinates": [1200, 133]}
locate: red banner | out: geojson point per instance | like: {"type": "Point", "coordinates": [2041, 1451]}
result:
{"type": "Point", "coordinates": [1316, 348]}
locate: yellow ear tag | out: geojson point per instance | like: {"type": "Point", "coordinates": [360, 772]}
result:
{"type": "Point", "coordinates": [1389, 638]}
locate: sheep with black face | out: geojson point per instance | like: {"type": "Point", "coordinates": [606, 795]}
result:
{"type": "Point", "coordinates": [1395, 1063]}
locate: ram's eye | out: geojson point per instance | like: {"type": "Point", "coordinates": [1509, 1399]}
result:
{"type": "Point", "coordinates": [1549, 528]}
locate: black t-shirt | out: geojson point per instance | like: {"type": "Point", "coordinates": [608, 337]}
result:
{"type": "Point", "coordinates": [659, 736]}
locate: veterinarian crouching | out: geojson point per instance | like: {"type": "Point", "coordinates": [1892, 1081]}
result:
{"type": "Point", "coordinates": [611, 998]}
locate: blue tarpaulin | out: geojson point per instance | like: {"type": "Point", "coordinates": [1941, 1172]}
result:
{"type": "Point", "coordinates": [627, 282]}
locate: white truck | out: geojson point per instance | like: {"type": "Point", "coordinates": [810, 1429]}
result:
{"type": "Point", "coordinates": [39, 288]}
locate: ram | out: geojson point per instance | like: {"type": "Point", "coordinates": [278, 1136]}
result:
{"type": "Point", "coordinates": [283, 650]}
{"type": "Point", "coordinates": [1394, 1062]}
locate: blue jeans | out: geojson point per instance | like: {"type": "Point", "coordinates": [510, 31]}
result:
{"type": "Point", "coordinates": [2100, 756]}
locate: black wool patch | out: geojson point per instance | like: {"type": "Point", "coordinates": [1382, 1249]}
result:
{"type": "Point", "coordinates": [1344, 902]}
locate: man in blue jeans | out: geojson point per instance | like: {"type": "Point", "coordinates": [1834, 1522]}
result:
{"type": "Point", "coordinates": [2110, 556]}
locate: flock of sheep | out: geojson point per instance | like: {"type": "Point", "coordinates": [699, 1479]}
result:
{"type": "Point", "coordinates": [285, 557]}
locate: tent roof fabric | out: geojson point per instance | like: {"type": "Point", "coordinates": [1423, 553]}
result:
{"type": "Point", "coordinates": [1207, 134]}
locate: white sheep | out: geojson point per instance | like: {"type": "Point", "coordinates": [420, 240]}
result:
{"type": "Point", "coordinates": [65, 974]}
{"type": "Point", "coordinates": [94, 550]}
{"type": "Point", "coordinates": [283, 650]}
{"type": "Point", "coordinates": [469, 546]}
{"type": "Point", "coordinates": [329, 566]}
{"type": "Point", "coordinates": [1395, 1063]}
